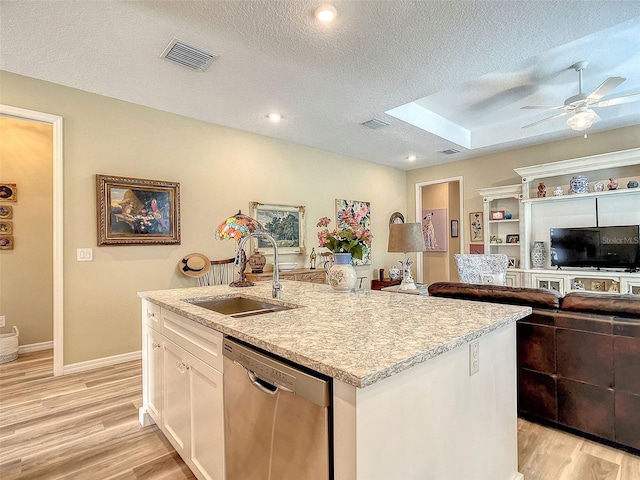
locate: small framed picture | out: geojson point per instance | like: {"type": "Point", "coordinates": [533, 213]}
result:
{"type": "Point", "coordinates": [476, 233]}
{"type": "Point", "coordinates": [6, 228]}
{"type": "Point", "coordinates": [513, 238]}
{"type": "Point", "coordinates": [597, 286]}
{"type": "Point", "coordinates": [6, 212]}
{"type": "Point", "coordinates": [6, 242]}
{"type": "Point", "coordinates": [497, 214]}
{"type": "Point", "coordinates": [476, 249]}
{"type": "Point", "coordinates": [454, 228]}
{"type": "Point", "coordinates": [512, 262]}
{"type": "Point", "coordinates": [8, 192]}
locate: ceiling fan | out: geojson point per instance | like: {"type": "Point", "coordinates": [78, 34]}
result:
{"type": "Point", "coordinates": [579, 105]}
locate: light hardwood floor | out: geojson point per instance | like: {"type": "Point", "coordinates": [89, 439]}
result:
{"type": "Point", "coordinates": [85, 426]}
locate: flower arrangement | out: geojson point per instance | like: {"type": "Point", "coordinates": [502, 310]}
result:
{"type": "Point", "coordinates": [350, 239]}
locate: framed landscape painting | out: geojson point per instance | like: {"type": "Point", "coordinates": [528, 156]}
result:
{"type": "Point", "coordinates": [135, 211]}
{"type": "Point", "coordinates": [285, 223]}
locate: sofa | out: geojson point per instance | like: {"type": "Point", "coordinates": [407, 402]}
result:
{"type": "Point", "coordinates": [578, 358]}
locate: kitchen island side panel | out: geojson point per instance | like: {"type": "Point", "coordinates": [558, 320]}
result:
{"type": "Point", "coordinates": [434, 420]}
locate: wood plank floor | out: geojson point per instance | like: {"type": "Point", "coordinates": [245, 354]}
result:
{"type": "Point", "coordinates": [85, 426]}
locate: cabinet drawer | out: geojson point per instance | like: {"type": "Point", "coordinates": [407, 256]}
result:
{"type": "Point", "coordinates": [151, 315]}
{"type": "Point", "coordinates": [202, 342]}
{"type": "Point", "coordinates": [310, 277]}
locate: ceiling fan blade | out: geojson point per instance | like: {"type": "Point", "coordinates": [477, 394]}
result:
{"type": "Point", "coordinates": [605, 87]}
{"type": "Point", "coordinates": [546, 107]}
{"type": "Point", "coordinates": [618, 100]}
{"type": "Point", "coordinates": [545, 119]}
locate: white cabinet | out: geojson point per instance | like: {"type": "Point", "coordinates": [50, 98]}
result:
{"type": "Point", "coordinates": [182, 388]}
{"type": "Point", "coordinates": [606, 282]}
{"type": "Point", "coordinates": [153, 372]}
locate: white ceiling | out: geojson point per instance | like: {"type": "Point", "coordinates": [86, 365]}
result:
{"type": "Point", "coordinates": [472, 63]}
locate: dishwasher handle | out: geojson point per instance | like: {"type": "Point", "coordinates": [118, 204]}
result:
{"type": "Point", "coordinates": [264, 386]}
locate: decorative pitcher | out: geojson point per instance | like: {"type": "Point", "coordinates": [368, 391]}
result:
{"type": "Point", "coordinates": [342, 275]}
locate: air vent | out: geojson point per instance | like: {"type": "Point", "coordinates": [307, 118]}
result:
{"type": "Point", "coordinates": [450, 151]}
{"type": "Point", "coordinates": [187, 55]}
{"type": "Point", "coordinates": [375, 123]}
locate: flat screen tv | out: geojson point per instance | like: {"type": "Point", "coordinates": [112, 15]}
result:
{"type": "Point", "coordinates": [601, 247]}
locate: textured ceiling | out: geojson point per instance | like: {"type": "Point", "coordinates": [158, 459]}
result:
{"type": "Point", "coordinates": [473, 63]}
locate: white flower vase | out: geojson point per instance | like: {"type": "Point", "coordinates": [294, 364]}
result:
{"type": "Point", "coordinates": [342, 275]}
{"type": "Point", "coordinates": [538, 255]}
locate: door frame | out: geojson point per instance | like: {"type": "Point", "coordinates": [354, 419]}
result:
{"type": "Point", "coordinates": [461, 222]}
{"type": "Point", "coordinates": [58, 225]}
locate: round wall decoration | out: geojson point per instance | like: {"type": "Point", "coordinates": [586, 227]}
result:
{"type": "Point", "coordinates": [396, 217]}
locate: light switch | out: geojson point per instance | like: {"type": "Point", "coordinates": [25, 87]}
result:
{"type": "Point", "coordinates": [84, 254]}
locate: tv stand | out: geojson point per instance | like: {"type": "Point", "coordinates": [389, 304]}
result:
{"type": "Point", "coordinates": [588, 280]}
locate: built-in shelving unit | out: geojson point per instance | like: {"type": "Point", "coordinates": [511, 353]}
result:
{"type": "Point", "coordinates": [503, 235]}
{"type": "Point", "coordinates": [533, 217]}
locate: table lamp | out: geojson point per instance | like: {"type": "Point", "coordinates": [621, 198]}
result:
{"type": "Point", "coordinates": [406, 238]}
{"type": "Point", "coordinates": [236, 227]}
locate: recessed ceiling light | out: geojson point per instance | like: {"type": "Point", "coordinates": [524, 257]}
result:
{"type": "Point", "coordinates": [325, 13]}
{"type": "Point", "coordinates": [274, 117]}
{"type": "Point", "coordinates": [411, 158]}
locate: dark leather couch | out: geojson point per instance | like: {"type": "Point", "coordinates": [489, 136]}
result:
{"type": "Point", "coordinates": [578, 358]}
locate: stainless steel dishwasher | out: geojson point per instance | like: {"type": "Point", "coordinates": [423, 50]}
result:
{"type": "Point", "coordinates": [277, 418]}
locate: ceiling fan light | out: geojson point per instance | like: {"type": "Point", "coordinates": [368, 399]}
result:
{"type": "Point", "coordinates": [582, 119]}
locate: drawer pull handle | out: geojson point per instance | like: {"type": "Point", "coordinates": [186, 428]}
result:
{"type": "Point", "coordinates": [155, 346]}
{"type": "Point", "coordinates": [150, 314]}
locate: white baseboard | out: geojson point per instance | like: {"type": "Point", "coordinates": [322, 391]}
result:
{"type": "Point", "coordinates": [101, 362]}
{"type": "Point", "coordinates": [35, 347]}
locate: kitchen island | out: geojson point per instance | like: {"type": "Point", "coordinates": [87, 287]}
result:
{"type": "Point", "coordinates": [404, 403]}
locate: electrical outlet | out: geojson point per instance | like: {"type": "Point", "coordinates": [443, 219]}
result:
{"type": "Point", "coordinates": [84, 254]}
{"type": "Point", "coordinates": [474, 357]}
{"type": "Point", "coordinates": [1, 320]}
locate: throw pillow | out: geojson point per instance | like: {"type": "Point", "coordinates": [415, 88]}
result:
{"type": "Point", "coordinates": [492, 279]}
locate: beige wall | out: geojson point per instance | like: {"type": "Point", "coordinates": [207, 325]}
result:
{"type": "Point", "coordinates": [497, 169]}
{"type": "Point", "coordinates": [26, 272]}
{"type": "Point", "coordinates": [220, 171]}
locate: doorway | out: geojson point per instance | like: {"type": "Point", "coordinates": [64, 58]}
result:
{"type": "Point", "coordinates": [444, 196]}
{"type": "Point", "coordinates": [57, 222]}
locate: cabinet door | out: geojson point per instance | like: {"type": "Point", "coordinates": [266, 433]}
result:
{"type": "Point", "coordinates": [175, 414]}
{"type": "Point", "coordinates": [207, 420]}
{"type": "Point", "coordinates": [153, 373]}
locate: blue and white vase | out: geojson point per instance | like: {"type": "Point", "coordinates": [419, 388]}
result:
{"type": "Point", "coordinates": [579, 184]}
{"type": "Point", "coordinates": [342, 275]}
{"type": "Point", "coordinates": [538, 255]}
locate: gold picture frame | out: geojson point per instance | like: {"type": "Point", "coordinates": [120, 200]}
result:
{"type": "Point", "coordinates": [6, 228]}
{"type": "Point", "coordinates": [136, 211]}
{"type": "Point", "coordinates": [8, 192]}
{"type": "Point", "coordinates": [285, 223]}
{"type": "Point", "coordinates": [476, 227]}
{"type": "Point", "coordinates": [6, 212]}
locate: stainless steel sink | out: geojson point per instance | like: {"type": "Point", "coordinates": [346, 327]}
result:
{"type": "Point", "coordinates": [238, 306]}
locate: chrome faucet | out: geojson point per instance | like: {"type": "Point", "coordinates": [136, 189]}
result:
{"type": "Point", "coordinates": [277, 287]}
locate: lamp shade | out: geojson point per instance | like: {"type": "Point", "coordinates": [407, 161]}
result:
{"type": "Point", "coordinates": [582, 119]}
{"type": "Point", "coordinates": [237, 226]}
{"type": "Point", "coordinates": [406, 237]}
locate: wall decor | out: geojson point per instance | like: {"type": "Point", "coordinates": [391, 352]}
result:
{"type": "Point", "coordinates": [476, 249]}
{"type": "Point", "coordinates": [396, 217]}
{"type": "Point", "coordinates": [476, 228]}
{"type": "Point", "coordinates": [360, 213]}
{"type": "Point", "coordinates": [285, 223]}
{"type": "Point", "coordinates": [434, 229]}
{"type": "Point", "coordinates": [8, 192]}
{"type": "Point", "coordinates": [6, 212]}
{"type": "Point", "coordinates": [6, 242]}
{"type": "Point", "coordinates": [454, 228]}
{"type": "Point", "coordinates": [135, 211]}
{"type": "Point", "coordinates": [512, 262]}
{"type": "Point", "coordinates": [6, 228]}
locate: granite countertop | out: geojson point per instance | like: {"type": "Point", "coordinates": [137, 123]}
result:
{"type": "Point", "coordinates": [359, 338]}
